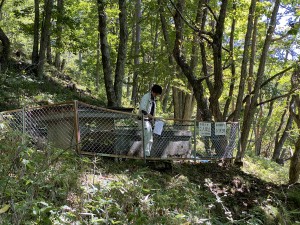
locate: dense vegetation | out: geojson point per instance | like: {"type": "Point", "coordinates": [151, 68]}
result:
{"type": "Point", "coordinates": [54, 186]}
{"type": "Point", "coordinates": [222, 60]}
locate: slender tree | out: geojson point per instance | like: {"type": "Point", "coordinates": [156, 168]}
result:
{"type": "Point", "coordinates": [44, 36]}
{"type": "Point", "coordinates": [36, 33]}
{"type": "Point", "coordinates": [49, 49]}
{"type": "Point", "coordinates": [5, 51]}
{"type": "Point", "coordinates": [166, 36]}
{"type": "Point", "coordinates": [5, 44]}
{"type": "Point", "coordinates": [122, 51]}
{"type": "Point", "coordinates": [218, 65]}
{"type": "Point", "coordinates": [249, 115]}
{"type": "Point", "coordinates": [59, 27]}
{"type": "Point", "coordinates": [98, 63]}
{"type": "Point", "coordinates": [113, 86]}
{"type": "Point", "coordinates": [137, 43]}
{"type": "Point", "coordinates": [280, 140]}
{"type": "Point", "coordinates": [294, 171]}
{"type": "Point", "coordinates": [233, 69]}
{"type": "Point", "coordinates": [186, 69]}
{"type": "Point", "coordinates": [106, 61]}
{"type": "Point", "coordinates": [245, 60]}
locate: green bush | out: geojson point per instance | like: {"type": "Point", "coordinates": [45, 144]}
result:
{"type": "Point", "coordinates": [35, 183]}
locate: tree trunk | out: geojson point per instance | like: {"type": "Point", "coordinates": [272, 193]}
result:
{"type": "Point", "coordinates": [138, 17]}
{"type": "Point", "coordinates": [249, 115]}
{"type": "Point", "coordinates": [121, 60]}
{"type": "Point", "coordinates": [5, 51]}
{"type": "Point", "coordinates": [98, 63]}
{"type": "Point", "coordinates": [167, 89]}
{"type": "Point", "coordinates": [59, 24]}
{"type": "Point", "coordinates": [245, 60]}
{"type": "Point", "coordinates": [44, 37]}
{"type": "Point", "coordinates": [185, 102]}
{"type": "Point", "coordinates": [186, 69]}
{"type": "Point", "coordinates": [295, 112]}
{"type": "Point", "coordinates": [176, 103]}
{"type": "Point", "coordinates": [49, 49]}
{"type": "Point", "coordinates": [106, 61]}
{"type": "Point", "coordinates": [80, 58]}
{"type": "Point", "coordinates": [252, 63]}
{"type": "Point", "coordinates": [261, 132]}
{"type": "Point", "coordinates": [63, 64]}
{"type": "Point", "coordinates": [1, 5]}
{"type": "Point", "coordinates": [4, 57]}
{"type": "Point", "coordinates": [36, 34]}
{"type": "Point", "coordinates": [218, 69]}
{"type": "Point", "coordinates": [233, 78]}
{"type": "Point", "coordinates": [129, 88]}
{"type": "Point", "coordinates": [294, 171]}
{"type": "Point", "coordinates": [279, 142]}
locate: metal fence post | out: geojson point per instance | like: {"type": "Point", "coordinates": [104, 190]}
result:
{"type": "Point", "coordinates": [76, 126]}
{"type": "Point", "coordinates": [195, 141]}
{"type": "Point", "coordinates": [23, 124]}
{"type": "Point", "coordinates": [143, 139]}
{"type": "Point", "coordinates": [239, 137]}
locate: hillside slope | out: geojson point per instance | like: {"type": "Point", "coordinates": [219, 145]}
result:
{"type": "Point", "coordinates": [20, 87]}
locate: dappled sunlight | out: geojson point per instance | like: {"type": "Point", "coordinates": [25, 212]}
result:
{"type": "Point", "coordinates": [266, 169]}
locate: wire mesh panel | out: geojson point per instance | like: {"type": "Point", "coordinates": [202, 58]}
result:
{"type": "Point", "coordinates": [216, 140]}
{"type": "Point", "coordinates": [54, 125]}
{"type": "Point", "coordinates": [175, 141]}
{"type": "Point", "coordinates": [51, 125]}
{"type": "Point", "coordinates": [107, 131]}
{"type": "Point", "coordinates": [90, 129]}
{"type": "Point", "coordinates": [14, 120]}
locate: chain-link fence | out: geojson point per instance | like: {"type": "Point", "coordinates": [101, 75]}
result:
{"type": "Point", "coordinates": [95, 130]}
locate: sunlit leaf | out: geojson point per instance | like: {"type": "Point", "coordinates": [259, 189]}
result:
{"type": "Point", "coordinates": [4, 209]}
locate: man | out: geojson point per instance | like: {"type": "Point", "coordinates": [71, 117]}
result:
{"type": "Point", "coordinates": [147, 111]}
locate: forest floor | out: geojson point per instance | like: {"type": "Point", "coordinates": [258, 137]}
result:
{"type": "Point", "coordinates": [228, 195]}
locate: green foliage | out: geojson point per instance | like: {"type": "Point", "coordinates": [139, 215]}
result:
{"type": "Point", "coordinates": [35, 183]}
{"type": "Point", "coordinates": [266, 169]}
{"type": "Point", "coordinates": [294, 197]}
{"type": "Point", "coordinates": [145, 197]}
{"type": "Point", "coordinates": [54, 186]}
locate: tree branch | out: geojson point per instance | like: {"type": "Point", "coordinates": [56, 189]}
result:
{"type": "Point", "coordinates": [268, 80]}
{"type": "Point", "coordinates": [293, 113]}
{"type": "Point", "coordinates": [280, 38]}
{"type": "Point", "coordinates": [194, 28]}
{"type": "Point", "coordinates": [205, 77]}
{"type": "Point", "coordinates": [276, 75]}
{"type": "Point", "coordinates": [263, 84]}
{"type": "Point", "coordinates": [277, 97]}
{"type": "Point", "coordinates": [1, 4]}
{"type": "Point", "coordinates": [210, 10]}
{"type": "Point", "coordinates": [208, 76]}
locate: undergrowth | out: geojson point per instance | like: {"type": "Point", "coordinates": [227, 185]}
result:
{"type": "Point", "coordinates": [35, 184]}
{"type": "Point", "coordinates": [266, 169]}
{"type": "Point", "coordinates": [21, 88]}
{"type": "Point", "coordinates": [55, 186]}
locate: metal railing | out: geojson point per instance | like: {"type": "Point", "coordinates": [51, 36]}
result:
{"type": "Point", "coordinates": [94, 130]}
